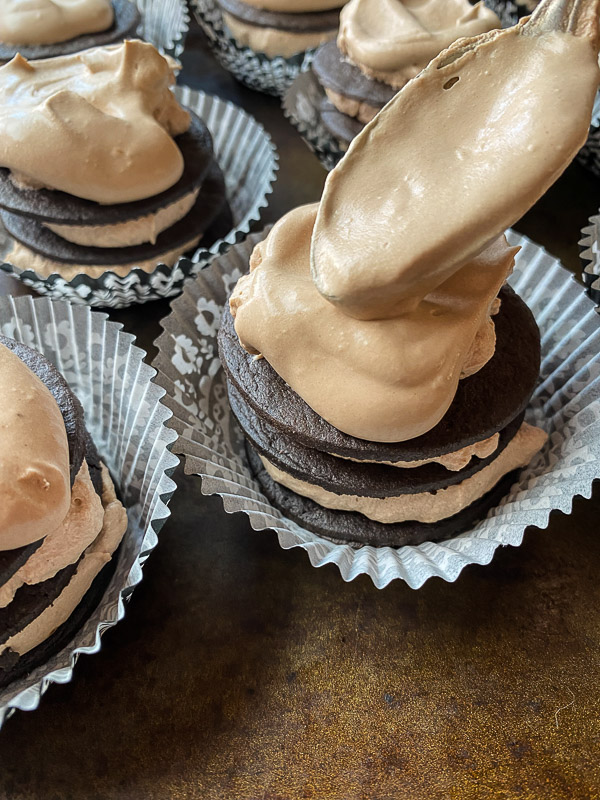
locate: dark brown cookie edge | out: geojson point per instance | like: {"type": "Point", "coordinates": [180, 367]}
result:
{"type": "Point", "coordinates": [353, 528]}
{"type": "Point", "coordinates": [342, 476]}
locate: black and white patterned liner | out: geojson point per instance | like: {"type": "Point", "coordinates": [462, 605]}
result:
{"type": "Point", "coordinates": [301, 102]}
{"type": "Point", "coordinates": [256, 70]}
{"type": "Point", "coordinates": [566, 404]}
{"type": "Point", "coordinates": [589, 155]}
{"type": "Point", "coordinates": [127, 420]}
{"type": "Point", "coordinates": [165, 24]}
{"type": "Point", "coordinates": [249, 162]}
{"type": "Point", "coordinates": [590, 258]}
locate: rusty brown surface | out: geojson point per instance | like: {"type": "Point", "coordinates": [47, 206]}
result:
{"type": "Point", "coordinates": [242, 673]}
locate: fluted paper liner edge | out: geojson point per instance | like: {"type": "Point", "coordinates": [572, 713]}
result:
{"type": "Point", "coordinates": [126, 417]}
{"type": "Point", "coordinates": [589, 245]}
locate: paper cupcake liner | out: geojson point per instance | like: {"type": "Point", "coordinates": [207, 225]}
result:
{"type": "Point", "coordinates": [301, 101]}
{"type": "Point", "coordinates": [256, 70]}
{"type": "Point", "coordinates": [590, 258]}
{"type": "Point", "coordinates": [126, 418]}
{"type": "Point", "coordinates": [249, 162]}
{"type": "Point", "coordinates": [165, 24]}
{"type": "Point", "coordinates": [566, 404]}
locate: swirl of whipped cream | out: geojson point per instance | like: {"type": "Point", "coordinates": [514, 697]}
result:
{"type": "Point", "coordinates": [455, 158]}
{"type": "Point", "coordinates": [98, 124]}
{"type": "Point", "coordinates": [295, 6]}
{"type": "Point", "coordinates": [392, 40]}
{"type": "Point", "coordinates": [35, 484]}
{"type": "Point", "coordinates": [52, 21]}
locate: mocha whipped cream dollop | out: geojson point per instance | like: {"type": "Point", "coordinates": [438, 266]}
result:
{"type": "Point", "coordinates": [52, 21]}
{"type": "Point", "coordinates": [35, 488]}
{"type": "Point", "coordinates": [392, 40]}
{"type": "Point", "coordinates": [371, 304]}
{"type": "Point", "coordinates": [98, 125]}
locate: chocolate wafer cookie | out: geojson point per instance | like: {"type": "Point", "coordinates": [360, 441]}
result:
{"type": "Point", "coordinates": [480, 409]}
{"type": "Point", "coordinates": [45, 584]}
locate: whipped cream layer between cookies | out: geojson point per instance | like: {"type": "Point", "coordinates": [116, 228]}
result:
{"type": "Point", "coordinates": [52, 21]}
{"type": "Point", "coordinates": [453, 461]}
{"type": "Point", "coordinates": [21, 256]}
{"type": "Point", "coordinates": [99, 125]}
{"type": "Point", "coordinates": [392, 40]}
{"type": "Point", "coordinates": [62, 545]}
{"type": "Point", "coordinates": [130, 232]}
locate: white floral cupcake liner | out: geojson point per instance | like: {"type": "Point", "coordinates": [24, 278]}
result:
{"type": "Point", "coordinates": [590, 258]}
{"type": "Point", "coordinates": [256, 70]}
{"type": "Point", "coordinates": [127, 419]}
{"type": "Point", "coordinates": [248, 158]}
{"type": "Point", "coordinates": [165, 24]}
{"type": "Point", "coordinates": [566, 404]}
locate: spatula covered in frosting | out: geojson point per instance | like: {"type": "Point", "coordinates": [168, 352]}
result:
{"type": "Point", "coordinates": [455, 158]}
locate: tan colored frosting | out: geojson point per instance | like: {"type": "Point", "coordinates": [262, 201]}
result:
{"type": "Point", "coordinates": [364, 112]}
{"type": "Point", "coordinates": [131, 232]}
{"type": "Point", "coordinates": [95, 557]}
{"type": "Point", "coordinates": [35, 485]}
{"type": "Point", "coordinates": [392, 40]}
{"type": "Point", "coordinates": [52, 21]}
{"type": "Point", "coordinates": [424, 506]}
{"type": "Point", "coordinates": [415, 200]}
{"type": "Point", "coordinates": [384, 380]}
{"type": "Point", "coordinates": [275, 42]}
{"type": "Point", "coordinates": [405, 254]}
{"type": "Point", "coordinates": [295, 6]}
{"type": "Point", "coordinates": [65, 544]}
{"type": "Point", "coordinates": [98, 125]}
